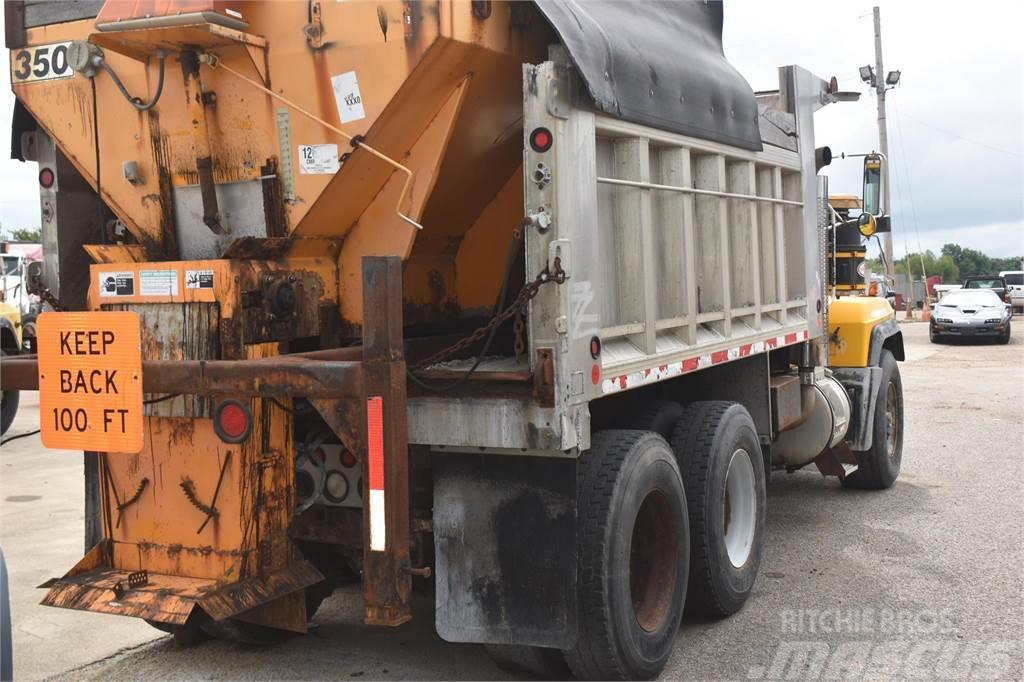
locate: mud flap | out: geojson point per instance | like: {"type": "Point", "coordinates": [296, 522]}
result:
{"type": "Point", "coordinates": [861, 383]}
{"type": "Point", "coordinates": [93, 586]}
{"type": "Point", "coordinates": [505, 542]}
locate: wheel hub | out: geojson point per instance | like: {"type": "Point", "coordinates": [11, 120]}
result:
{"type": "Point", "coordinates": [653, 557]}
{"type": "Point", "coordinates": [740, 508]}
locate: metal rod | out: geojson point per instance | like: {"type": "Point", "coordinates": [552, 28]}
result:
{"type": "Point", "coordinates": [694, 190]}
{"type": "Point", "coordinates": [214, 63]}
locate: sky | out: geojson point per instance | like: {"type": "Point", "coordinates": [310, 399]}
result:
{"type": "Point", "coordinates": [956, 120]}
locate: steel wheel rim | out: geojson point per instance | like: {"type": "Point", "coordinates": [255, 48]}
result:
{"type": "Point", "coordinates": [739, 518]}
{"type": "Point", "coordinates": [891, 419]}
{"type": "Point", "coordinates": [653, 559]}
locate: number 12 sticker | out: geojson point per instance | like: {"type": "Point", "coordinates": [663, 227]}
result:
{"type": "Point", "coordinates": [40, 63]}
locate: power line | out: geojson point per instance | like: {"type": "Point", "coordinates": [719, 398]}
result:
{"type": "Point", "coordinates": [961, 137]}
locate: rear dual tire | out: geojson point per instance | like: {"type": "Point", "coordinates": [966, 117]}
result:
{"type": "Point", "coordinates": [633, 540]}
{"type": "Point", "coordinates": [723, 472]}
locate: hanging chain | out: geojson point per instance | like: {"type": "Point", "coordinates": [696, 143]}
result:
{"type": "Point", "coordinates": [550, 273]}
{"type": "Point", "coordinates": [48, 297]}
{"type": "Point", "coordinates": [519, 344]}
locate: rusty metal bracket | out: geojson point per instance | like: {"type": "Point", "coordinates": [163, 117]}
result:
{"type": "Point", "coordinates": [387, 583]}
{"type": "Point", "coordinates": [131, 500]}
{"type": "Point", "coordinates": [138, 579]}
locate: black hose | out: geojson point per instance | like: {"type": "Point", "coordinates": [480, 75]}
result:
{"type": "Point", "coordinates": [135, 101]}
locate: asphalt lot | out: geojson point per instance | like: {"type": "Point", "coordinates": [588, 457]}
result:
{"type": "Point", "coordinates": [924, 580]}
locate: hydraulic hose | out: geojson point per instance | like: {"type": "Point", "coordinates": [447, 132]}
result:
{"type": "Point", "coordinates": [135, 101]}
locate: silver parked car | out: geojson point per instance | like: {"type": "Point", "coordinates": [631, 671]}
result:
{"type": "Point", "coordinates": [970, 313]}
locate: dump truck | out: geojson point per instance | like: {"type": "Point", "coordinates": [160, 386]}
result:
{"type": "Point", "coordinates": [521, 302]}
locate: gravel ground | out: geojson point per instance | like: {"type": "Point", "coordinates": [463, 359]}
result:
{"type": "Point", "coordinates": [921, 581]}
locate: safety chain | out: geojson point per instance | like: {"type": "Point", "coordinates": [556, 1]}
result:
{"type": "Point", "coordinates": [48, 297]}
{"type": "Point", "coordinates": [550, 273]}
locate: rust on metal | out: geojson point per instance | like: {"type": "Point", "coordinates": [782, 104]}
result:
{"type": "Point", "coordinates": [387, 585]}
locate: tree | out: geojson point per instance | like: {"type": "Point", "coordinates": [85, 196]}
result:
{"type": "Point", "coordinates": [968, 261]}
{"type": "Point", "coordinates": [27, 234]}
{"type": "Point", "coordinates": [944, 266]}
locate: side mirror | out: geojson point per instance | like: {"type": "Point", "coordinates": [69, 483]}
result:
{"type": "Point", "coordinates": [872, 190]}
{"type": "Point", "coordinates": [867, 224]}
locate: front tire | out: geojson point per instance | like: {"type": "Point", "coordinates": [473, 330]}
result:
{"type": "Point", "coordinates": [633, 537]}
{"type": "Point", "coordinates": [723, 471]}
{"type": "Point", "coordinates": [878, 467]}
{"type": "Point", "coordinates": [934, 337]}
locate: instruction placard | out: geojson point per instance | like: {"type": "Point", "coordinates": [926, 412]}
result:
{"type": "Point", "coordinates": [199, 279]}
{"type": "Point", "coordinates": [316, 159]}
{"type": "Point", "coordinates": [90, 381]}
{"type": "Point", "coordinates": [348, 97]}
{"type": "Point", "coordinates": [158, 282]}
{"type": "Point", "coordinates": [116, 284]}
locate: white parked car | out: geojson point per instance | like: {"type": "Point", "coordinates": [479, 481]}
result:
{"type": "Point", "coordinates": [1015, 287]}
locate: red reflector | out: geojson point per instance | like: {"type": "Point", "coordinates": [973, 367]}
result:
{"type": "Point", "coordinates": [232, 421]}
{"type": "Point", "coordinates": [46, 178]}
{"type": "Point", "coordinates": [348, 460]}
{"type": "Point", "coordinates": [375, 440]}
{"type": "Point", "coordinates": [541, 139]}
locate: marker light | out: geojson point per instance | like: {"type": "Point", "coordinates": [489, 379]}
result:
{"type": "Point", "coordinates": [541, 139]}
{"type": "Point", "coordinates": [232, 421]}
{"type": "Point", "coordinates": [46, 178]}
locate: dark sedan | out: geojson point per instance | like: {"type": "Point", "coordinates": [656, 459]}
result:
{"type": "Point", "coordinates": [970, 313]}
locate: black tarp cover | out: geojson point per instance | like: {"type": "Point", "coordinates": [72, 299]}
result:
{"type": "Point", "coordinates": [660, 64]}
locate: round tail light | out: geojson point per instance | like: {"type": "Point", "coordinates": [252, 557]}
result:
{"type": "Point", "coordinates": [541, 139]}
{"type": "Point", "coordinates": [348, 460]}
{"type": "Point", "coordinates": [232, 421]}
{"type": "Point", "coordinates": [46, 178]}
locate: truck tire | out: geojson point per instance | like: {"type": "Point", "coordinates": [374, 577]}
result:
{"type": "Point", "coordinates": [878, 467]}
{"type": "Point", "coordinates": [633, 537]}
{"type": "Point", "coordinates": [723, 472]}
{"type": "Point", "coordinates": [8, 407]}
{"type": "Point", "coordinates": [659, 416]}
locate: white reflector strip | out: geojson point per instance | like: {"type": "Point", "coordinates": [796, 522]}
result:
{"type": "Point", "coordinates": [377, 534]}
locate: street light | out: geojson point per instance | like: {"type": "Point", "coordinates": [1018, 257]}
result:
{"type": "Point", "coordinates": [867, 74]}
{"type": "Point", "coordinates": [892, 78]}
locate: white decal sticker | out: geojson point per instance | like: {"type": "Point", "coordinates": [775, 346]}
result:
{"type": "Point", "coordinates": [117, 284]}
{"type": "Point", "coordinates": [347, 96]}
{"type": "Point", "coordinates": [318, 159]}
{"type": "Point", "coordinates": [199, 279]}
{"type": "Point", "coordinates": [158, 283]}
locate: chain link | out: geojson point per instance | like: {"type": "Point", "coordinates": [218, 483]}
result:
{"type": "Point", "coordinates": [550, 273]}
{"type": "Point", "coordinates": [48, 297]}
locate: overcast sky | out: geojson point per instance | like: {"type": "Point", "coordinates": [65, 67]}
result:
{"type": "Point", "coordinates": [956, 121]}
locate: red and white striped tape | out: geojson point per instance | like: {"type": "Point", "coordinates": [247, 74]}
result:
{"type": "Point", "coordinates": [375, 452]}
{"type": "Point", "coordinates": [652, 375]}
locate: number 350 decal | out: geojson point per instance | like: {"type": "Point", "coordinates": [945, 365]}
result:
{"type": "Point", "coordinates": [41, 63]}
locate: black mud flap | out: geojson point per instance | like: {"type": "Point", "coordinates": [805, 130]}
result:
{"type": "Point", "coordinates": [505, 540]}
{"type": "Point", "coordinates": [861, 384]}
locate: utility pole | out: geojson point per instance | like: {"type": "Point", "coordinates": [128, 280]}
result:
{"type": "Point", "coordinates": [883, 137]}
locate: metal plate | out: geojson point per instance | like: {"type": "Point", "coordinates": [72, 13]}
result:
{"type": "Point", "coordinates": [90, 381]}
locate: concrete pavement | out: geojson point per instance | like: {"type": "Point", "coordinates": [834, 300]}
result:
{"type": "Point", "coordinates": [923, 580]}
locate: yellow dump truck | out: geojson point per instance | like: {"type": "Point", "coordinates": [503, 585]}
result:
{"type": "Point", "coordinates": [523, 301]}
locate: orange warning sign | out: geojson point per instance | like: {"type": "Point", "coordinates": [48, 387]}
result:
{"type": "Point", "coordinates": [90, 381]}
